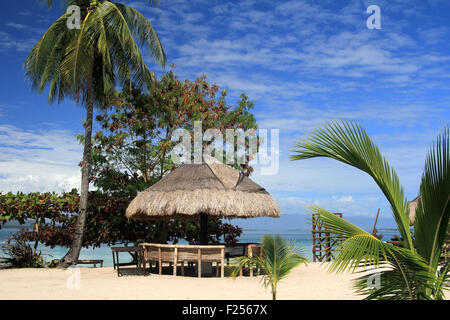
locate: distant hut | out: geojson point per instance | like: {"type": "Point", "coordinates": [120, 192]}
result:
{"type": "Point", "coordinates": [412, 210]}
{"type": "Point", "coordinates": [207, 189]}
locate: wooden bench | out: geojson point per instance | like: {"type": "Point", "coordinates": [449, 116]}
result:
{"type": "Point", "coordinates": [139, 259]}
{"type": "Point", "coordinates": [179, 254]}
{"type": "Point", "coordinates": [94, 262]}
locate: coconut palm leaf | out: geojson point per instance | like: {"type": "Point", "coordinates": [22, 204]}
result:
{"type": "Point", "coordinates": [355, 247]}
{"type": "Point", "coordinates": [433, 211]}
{"type": "Point", "coordinates": [403, 276]}
{"type": "Point", "coordinates": [443, 282]}
{"type": "Point", "coordinates": [278, 259]}
{"type": "Point", "coordinates": [403, 272]}
{"type": "Point", "coordinates": [406, 273]}
{"type": "Point", "coordinates": [349, 143]}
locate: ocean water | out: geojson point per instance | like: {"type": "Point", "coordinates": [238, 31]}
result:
{"type": "Point", "coordinates": [303, 238]}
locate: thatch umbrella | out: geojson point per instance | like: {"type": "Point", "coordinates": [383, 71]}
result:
{"type": "Point", "coordinates": [207, 189]}
{"type": "Point", "coordinates": [412, 210]}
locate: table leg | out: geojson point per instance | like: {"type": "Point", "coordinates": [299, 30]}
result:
{"type": "Point", "coordinates": [118, 264]}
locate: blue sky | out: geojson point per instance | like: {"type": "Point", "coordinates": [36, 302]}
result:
{"type": "Point", "coordinates": [301, 62]}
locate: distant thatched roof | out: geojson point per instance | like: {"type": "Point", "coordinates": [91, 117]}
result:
{"type": "Point", "coordinates": [211, 187]}
{"type": "Point", "coordinates": [412, 210]}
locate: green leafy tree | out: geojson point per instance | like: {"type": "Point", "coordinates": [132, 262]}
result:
{"type": "Point", "coordinates": [56, 215]}
{"type": "Point", "coordinates": [132, 150]}
{"type": "Point", "coordinates": [411, 271]}
{"type": "Point", "coordinates": [278, 259]}
{"type": "Point", "coordinates": [87, 64]}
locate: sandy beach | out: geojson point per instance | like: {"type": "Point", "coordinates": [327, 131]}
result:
{"type": "Point", "coordinates": [305, 282]}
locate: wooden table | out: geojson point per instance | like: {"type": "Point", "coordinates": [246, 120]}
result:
{"type": "Point", "coordinates": [140, 261]}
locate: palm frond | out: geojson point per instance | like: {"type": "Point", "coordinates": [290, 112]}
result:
{"type": "Point", "coordinates": [143, 32]}
{"type": "Point", "coordinates": [442, 282]}
{"type": "Point", "coordinates": [404, 276]}
{"type": "Point", "coordinates": [37, 59]}
{"type": "Point", "coordinates": [278, 259]}
{"type": "Point", "coordinates": [403, 273]}
{"type": "Point", "coordinates": [349, 143]}
{"type": "Point", "coordinates": [433, 212]}
{"type": "Point", "coordinates": [355, 247]}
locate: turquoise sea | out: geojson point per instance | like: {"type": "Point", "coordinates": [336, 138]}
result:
{"type": "Point", "coordinates": [301, 237]}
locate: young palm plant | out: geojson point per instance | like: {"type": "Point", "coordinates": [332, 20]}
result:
{"type": "Point", "coordinates": [411, 271]}
{"type": "Point", "coordinates": [88, 64]}
{"type": "Point", "coordinates": [278, 258]}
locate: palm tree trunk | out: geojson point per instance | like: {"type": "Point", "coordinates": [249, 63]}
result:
{"type": "Point", "coordinates": [74, 252]}
{"type": "Point", "coordinates": [274, 293]}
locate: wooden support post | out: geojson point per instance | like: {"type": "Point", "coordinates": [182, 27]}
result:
{"type": "Point", "coordinates": [199, 267]}
{"type": "Point", "coordinates": [175, 262]}
{"type": "Point", "coordinates": [222, 263]}
{"type": "Point", "coordinates": [114, 261]}
{"type": "Point", "coordinates": [160, 260]}
{"type": "Point", "coordinates": [182, 268]}
{"type": "Point", "coordinates": [250, 254]}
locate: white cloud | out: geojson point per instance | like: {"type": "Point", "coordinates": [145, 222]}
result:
{"type": "Point", "coordinates": [38, 161]}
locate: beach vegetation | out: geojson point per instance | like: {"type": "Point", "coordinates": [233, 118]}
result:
{"type": "Point", "coordinates": [278, 258]}
{"type": "Point", "coordinates": [16, 252]}
{"type": "Point", "coordinates": [106, 223]}
{"type": "Point", "coordinates": [413, 270]}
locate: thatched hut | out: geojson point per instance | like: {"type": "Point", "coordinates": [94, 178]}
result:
{"type": "Point", "coordinates": [412, 210]}
{"type": "Point", "coordinates": [207, 189]}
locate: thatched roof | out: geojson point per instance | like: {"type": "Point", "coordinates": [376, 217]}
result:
{"type": "Point", "coordinates": [211, 187]}
{"type": "Point", "coordinates": [412, 210]}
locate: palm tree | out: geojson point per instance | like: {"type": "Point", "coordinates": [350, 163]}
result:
{"type": "Point", "coordinates": [411, 271]}
{"type": "Point", "coordinates": [278, 259]}
{"type": "Point", "coordinates": [87, 64]}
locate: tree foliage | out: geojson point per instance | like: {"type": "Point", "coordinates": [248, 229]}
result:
{"type": "Point", "coordinates": [132, 148]}
{"type": "Point", "coordinates": [106, 223]}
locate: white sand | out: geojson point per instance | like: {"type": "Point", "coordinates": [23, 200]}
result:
{"type": "Point", "coordinates": [305, 282]}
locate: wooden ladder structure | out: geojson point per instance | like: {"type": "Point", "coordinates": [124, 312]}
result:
{"type": "Point", "coordinates": [323, 243]}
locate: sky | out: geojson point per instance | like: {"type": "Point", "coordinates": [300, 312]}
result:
{"type": "Point", "coordinates": [301, 62]}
